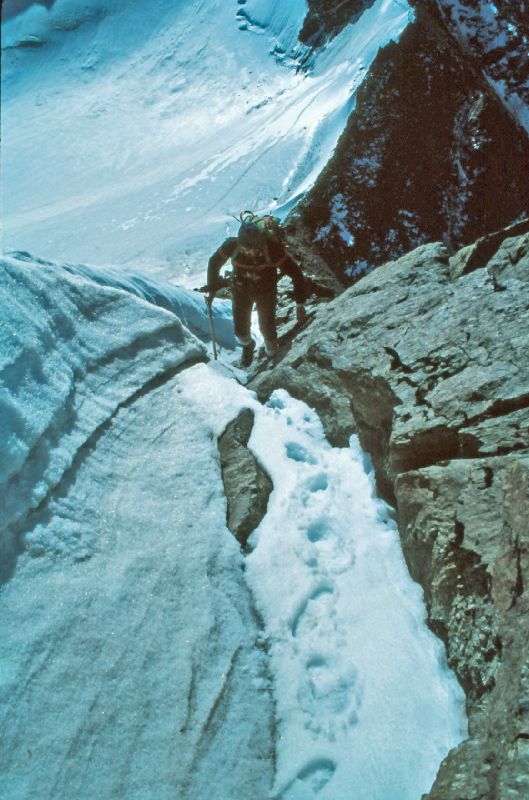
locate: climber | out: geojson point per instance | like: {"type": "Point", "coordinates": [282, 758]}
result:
{"type": "Point", "coordinates": [259, 258]}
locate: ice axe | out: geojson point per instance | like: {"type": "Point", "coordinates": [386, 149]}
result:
{"type": "Point", "coordinates": [209, 302]}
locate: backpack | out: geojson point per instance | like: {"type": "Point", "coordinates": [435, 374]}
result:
{"type": "Point", "coordinates": [268, 225]}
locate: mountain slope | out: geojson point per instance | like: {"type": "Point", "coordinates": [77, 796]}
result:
{"type": "Point", "coordinates": [131, 131]}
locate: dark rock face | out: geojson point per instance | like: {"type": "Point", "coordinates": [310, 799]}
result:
{"type": "Point", "coordinates": [496, 34]}
{"type": "Point", "coordinates": [430, 153]}
{"type": "Point", "coordinates": [246, 484]}
{"type": "Point", "coordinates": [326, 19]}
{"type": "Point", "coordinates": [480, 252]}
{"type": "Point", "coordinates": [431, 371]}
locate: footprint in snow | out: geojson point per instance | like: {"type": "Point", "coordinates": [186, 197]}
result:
{"type": "Point", "coordinates": [311, 491]}
{"type": "Point", "coordinates": [317, 773]}
{"type": "Point", "coordinates": [334, 554]}
{"type": "Point", "coordinates": [317, 530]}
{"type": "Point", "coordinates": [297, 452]}
{"type": "Point", "coordinates": [317, 607]}
{"type": "Point", "coordinates": [317, 483]}
{"type": "Point", "coordinates": [329, 696]}
{"type": "Point", "coordinates": [313, 777]}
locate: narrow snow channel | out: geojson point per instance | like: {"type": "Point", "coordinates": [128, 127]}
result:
{"type": "Point", "coordinates": [366, 705]}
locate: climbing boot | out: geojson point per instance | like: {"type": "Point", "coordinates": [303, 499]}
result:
{"type": "Point", "coordinates": [271, 347]}
{"type": "Point", "coordinates": [247, 354]}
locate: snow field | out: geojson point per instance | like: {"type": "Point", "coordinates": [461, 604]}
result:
{"type": "Point", "coordinates": [131, 131]}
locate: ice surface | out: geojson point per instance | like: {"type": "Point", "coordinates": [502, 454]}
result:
{"type": "Point", "coordinates": [71, 352]}
{"type": "Point", "coordinates": [128, 664]}
{"type": "Point", "coordinates": [189, 306]}
{"type": "Point", "coordinates": [127, 651]}
{"type": "Point", "coordinates": [131, 131]}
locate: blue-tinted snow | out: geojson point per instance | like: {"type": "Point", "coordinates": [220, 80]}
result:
{"type": "Point", "coordinates": [189, 306]}
{"type": "Point", "coordinates": [127, 648]}
{"type": "Point", "coordinates": [133, 130]}
{"type": "Point", "coordinates": [71, 351]}
{"type": "Point", "coordinates": [123, 586]}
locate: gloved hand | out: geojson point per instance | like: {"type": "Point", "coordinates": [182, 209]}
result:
{"type": "Point", "coordinates": [301, 314]}
{"type": "Point", "coordinates": [210, 296]}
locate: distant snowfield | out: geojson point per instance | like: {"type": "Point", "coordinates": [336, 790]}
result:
{"type": "Point", "coordinates": [131, 130]}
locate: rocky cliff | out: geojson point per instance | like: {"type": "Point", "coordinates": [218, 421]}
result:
{"type": "Point", "coordinates": [435, 148]}
{"type": "Point", "coordinates": [495, 35]}
{"type": "Point", "coordinates": [426, 359]}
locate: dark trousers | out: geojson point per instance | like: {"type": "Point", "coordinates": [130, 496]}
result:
{"type": "Point", "coordinates": [246, 293]}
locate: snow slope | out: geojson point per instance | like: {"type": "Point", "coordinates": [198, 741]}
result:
{"type": "Point", "coordinates": [127, 645]}
{"type": "Point", "coordinates": [71, 352]}
{"type": "Point", "coordinates": [132, 662]}
{"type": "Point", "coordinates": [129, 666]}
{"type": "Point", "coordinates": [132, 130]}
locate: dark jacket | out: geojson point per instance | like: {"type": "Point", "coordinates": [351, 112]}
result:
{"type": "Point", "coordinates": [263, 268]}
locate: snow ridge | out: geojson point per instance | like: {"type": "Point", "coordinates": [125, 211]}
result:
{"type": "Point", "coordinates": [188, 305]}
{"type": "Point", "coordinates": [72, 352]}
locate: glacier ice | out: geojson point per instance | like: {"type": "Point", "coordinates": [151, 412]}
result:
{"type": "Point", "coordinates": [71, 353]}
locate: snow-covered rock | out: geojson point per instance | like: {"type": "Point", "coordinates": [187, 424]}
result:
{"type": "Point", "coordinates": [497, 34]}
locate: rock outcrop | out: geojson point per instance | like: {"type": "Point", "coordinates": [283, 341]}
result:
{"type": "Point", "coordinates": [431, 152]}
{"type": "Point", "coordinates": [426, 359]}
{"type": "Point", "coordinates": [246, 484]}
